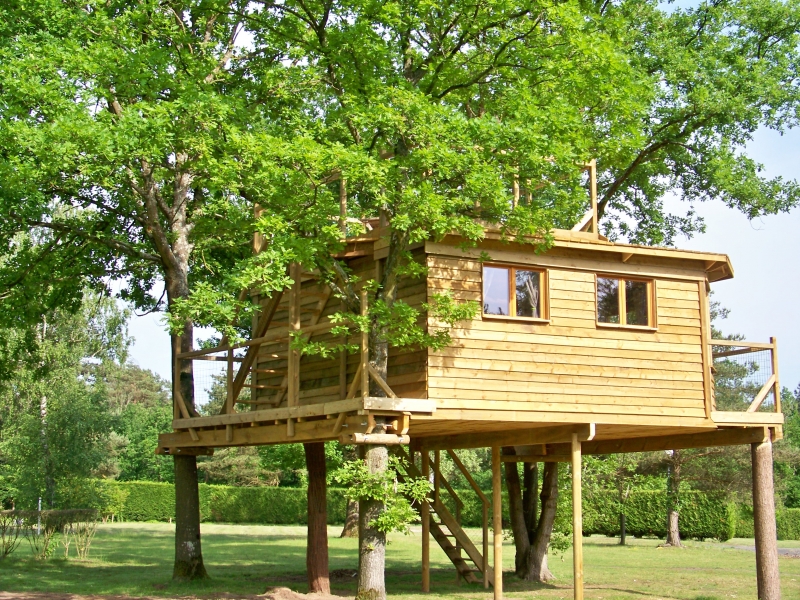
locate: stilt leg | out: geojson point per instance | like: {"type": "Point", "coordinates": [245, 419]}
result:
{"type": "Point", "coordinates": [497, 523]}
{"type": "Point", "coordinates": [425, 512]}
{"type": "Point", "coordinates": [766, 537]}
{"type": "Point", "coordinates": [577, 519]}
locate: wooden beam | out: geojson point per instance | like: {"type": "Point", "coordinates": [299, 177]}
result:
{"type": "Point", "coordinates": [746, 419]}
{"type": "Point", "coordinates": [705, 349]}
{"type": "Point", "coordinates": [257, 435]}
{"type": "Point", "coordinates": [293, 376]}
{"type": "Point", "coordinates": [376, 377]}
{"type": "Point", "coordinates": [384, 439]}
{"type": "Point", "coordinates": [271, 414]}
{"type": "Point", "coordinates": [267, 313]}
{"type": "Point", "coordinates": [364, 349]}
{"type": "Point", "coordinates": [577, 520]}
{"type": "Point", "coordinates": [762, 394]}
{"type": "Point", "coordinates": [720, 437]}
{"type": "Point", "coordinates": [519, 437]}
{"type": "Point", "coordinates": [776, 385]}
{"type": "Point", "coordinates": [497, 523]}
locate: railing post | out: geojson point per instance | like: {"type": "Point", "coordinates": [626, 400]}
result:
{"type": "Point", "coordinates": [364, 349]}
{"type": "Point", "coordinates": [776, 386]}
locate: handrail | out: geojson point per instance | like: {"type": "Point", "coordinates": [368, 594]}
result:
{"type": "Point", "coordinates": [741, 347]}
{"type": "Point", "coordinates": [467, 476]}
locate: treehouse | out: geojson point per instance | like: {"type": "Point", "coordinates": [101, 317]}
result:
{"type": "Point", "coordinates": [591, 347]}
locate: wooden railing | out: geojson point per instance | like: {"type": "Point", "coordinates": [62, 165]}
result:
{"type": "Point", "coordinates": [288, 390]}
{"type": "Point", "coordinates": [745, 375]}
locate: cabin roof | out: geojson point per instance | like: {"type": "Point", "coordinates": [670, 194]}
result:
{"type": "Point", "coordinates": [717, 266]}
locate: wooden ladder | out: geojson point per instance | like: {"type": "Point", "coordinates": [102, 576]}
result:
{"type": "Point", "coordinates": [447, 531]}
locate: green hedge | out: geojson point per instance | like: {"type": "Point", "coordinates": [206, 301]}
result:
{"type": "Point", "coordinates": [149, 501]}
{"type": "Point", "coordinates": [703, 514]}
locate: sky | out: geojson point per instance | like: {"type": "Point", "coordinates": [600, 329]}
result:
{"type": "Point", "coordinates": [762, 297]}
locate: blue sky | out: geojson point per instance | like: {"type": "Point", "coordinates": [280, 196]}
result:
{"type": "Point", "coordinates": [763, 297]}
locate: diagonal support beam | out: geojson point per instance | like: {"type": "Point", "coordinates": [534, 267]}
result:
{"type": "Point", "coordinates": [252, 351]}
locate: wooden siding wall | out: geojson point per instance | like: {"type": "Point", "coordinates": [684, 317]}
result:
{"type": "Point", "coordinates": [319, 377]}
{"type": "Point", "coordinates": [569, 365]}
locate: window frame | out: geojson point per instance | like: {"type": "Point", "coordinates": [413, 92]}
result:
{"type": "Point", "coordinates": [544, 298]}
{"type": "Point", "coordinates": [652, 308]}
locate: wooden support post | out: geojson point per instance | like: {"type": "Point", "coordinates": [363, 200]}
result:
{"type": "Point", "coordinates": [176, 378]}
{"type": "Point", "coordinates": [485, 545]}
{"type": "Point", "coordinates": [766, 537]}
{"type": "Point", "coordinates": [364, 350]}
{"type": "Point", "coordinates": [425, 512]}
{"type": "Point", "coordinates": [593, 192]}
{"type": "Point", "coordinates": [229, 386]}
{"type": "Point", "coordinates": [343, 372]}
{"type": "Point", "coordinates": [497, 523]}
{"type": "Point", "coordinates": [437, 484]}
{"type": "Point", "coordinates": [776, 386]}
{"type": "Point", "coordinates": [293, 367]}
{"type": "Point", "coordinates": [577, 519]}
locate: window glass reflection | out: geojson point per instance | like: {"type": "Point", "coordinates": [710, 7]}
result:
{"type": "Point", "coordinates": [528, 285]}
{"type": "Point", "coordinates": [495, 291]}
{"type": "Point", "coordinates": [636, 312]}
{"type": "Point", "coordinates": [607, 300]}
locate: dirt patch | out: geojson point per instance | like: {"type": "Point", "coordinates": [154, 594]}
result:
{"type": "Point", "coordinates": [278, 593]}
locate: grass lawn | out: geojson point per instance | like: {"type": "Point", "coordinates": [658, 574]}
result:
{"type": "Point", "coordinates": [136, 559]}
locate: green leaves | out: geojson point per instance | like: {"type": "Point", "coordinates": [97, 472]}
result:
{"type": "Point", "coordinates": [384, 487]}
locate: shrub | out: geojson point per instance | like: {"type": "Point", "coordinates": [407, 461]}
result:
{"type": "Point", "coordinates": [9, 532]}
{"type": "Point", "coordinates": [788, 521]}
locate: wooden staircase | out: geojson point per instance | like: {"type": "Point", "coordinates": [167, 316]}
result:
{"type": "Point", "coordinates": [446, 528]}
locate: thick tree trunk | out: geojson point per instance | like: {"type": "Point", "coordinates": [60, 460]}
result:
{"type": "Point", "coordinates": [350, 528]}
{"type": "Point", "coordinates": [530, 497]}
{"type": "Point", "coordinates": [673, 499]}
{"type": "Point", "coordinates": [516, 513]}
{"type": "Point", "coordinates": [188, 554]}
{"type": "Point", "coordinates": [537, 563]}
{"type": "Point", "coordinates": [372, 543]}
{"type": "Point", "coordinates": [767, 575]}
{"type": "Point", "coordinates": [534, 567]}
{"type": "Point", "coordinates": [317, 540]}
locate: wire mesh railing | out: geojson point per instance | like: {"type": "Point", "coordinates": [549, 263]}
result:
{"type": "Point", "coordinates": [745, 376]}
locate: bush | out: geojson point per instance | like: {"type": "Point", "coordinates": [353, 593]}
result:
{"type": "Point", "coordinates": [702, 514]}
{"type": "Point", "coordinates": [788, 521]}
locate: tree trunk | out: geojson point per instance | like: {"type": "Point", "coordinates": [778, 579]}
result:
{"type": "Point", "coordinates": [372, 543]}
{"type": "Point", "coordinates": [536, 569]}
{"type": "Point", "coordinates": [622, 532]}
{"type": "Point", "coordinates": [317, 540]}
{"type": "Point", "coordinates": [531, 550]}
{"type": "Point", "coordinates": [188, 553]}
{"type": "Point", "coordinates": [350, 528]}
{"type": "Point", "coordinates": [516, 513]}
{"type": "Point", "coordinates": [673, 501]}
{"type": "Point", "coordinates": [767, 575]}
{"type": "Point", "coordinates": [530, 497]}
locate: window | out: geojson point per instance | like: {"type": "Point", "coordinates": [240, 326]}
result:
{"type": "Point", "coordinates": [514, 292]}
{"type": "Point", "coordinates": [625, 302]}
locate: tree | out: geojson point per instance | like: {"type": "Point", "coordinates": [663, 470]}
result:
{"type": "Point", "coordinates": [54, 417]}
{"type": "Point", "coordinates": [120, 158]}
{"type": "Point", "coordinates": [137, 139]}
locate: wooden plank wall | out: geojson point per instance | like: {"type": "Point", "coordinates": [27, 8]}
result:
{"type": "Point", "coordinates": [319, 377]}
{"type": "Point", "coordinates": [569, 365]}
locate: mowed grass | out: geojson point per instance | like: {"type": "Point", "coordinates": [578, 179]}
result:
{"type": "Point", "coordinates": [136, 559]}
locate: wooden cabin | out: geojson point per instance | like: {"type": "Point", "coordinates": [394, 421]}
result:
{"type": "Point", "coordinates": [590, 347]}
